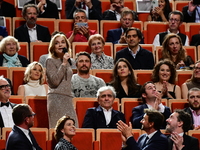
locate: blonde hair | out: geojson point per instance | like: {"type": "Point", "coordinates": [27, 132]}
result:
{"type": "Point", "coordinates": [52, 45]}
{"type": "Point", "coordinates": [27, 74]}
{"type": "Point", "coordinates": [94, 37]}
{"type": "Point", "coordinates": [8, 39]}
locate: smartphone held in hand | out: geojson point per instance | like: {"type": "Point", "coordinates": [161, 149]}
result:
{"type": "Point", "coordinates": [80, 24]}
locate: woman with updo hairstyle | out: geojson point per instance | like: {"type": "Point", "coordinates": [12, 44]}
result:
{"type": "Point", "coordinates": [64, 131]}
{"type": "Point", "coordinates": [34, 77]}
{"type": "Point", "coordinates": [98, 58]}
{"type": "Point", "coordinates": [173, 50]}
{"type": "Point", "coordinates": [164, 77]}
{"type": "Point", "coordinates": [9, 47]}
{"type": "Point", "coordinates": [124, 80]}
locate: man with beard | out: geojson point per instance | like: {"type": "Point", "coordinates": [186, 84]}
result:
{"type": "Point", "coordinates": [116, 8]}
{"type": "Point", "coordinates": [152, 140]}
{"type": "Point", "coordinates": [30, 31]}
{"type": "Point", "coordinates": [194, 107]}
{"type": "Point", "coordinates": [83, 83]}
{"type": "Point", "coordinates": [178, 124]}
{"type": "Point", "coordinates": [21, 136]}
{"type": "Point", "coordinates": [152, 100]}
{"type": "Point", "coordinates": [103, 116]}
{"type": "Point", "coordinates": [175, 21]}
{"type": "Point", "coordinates": [138, 57]}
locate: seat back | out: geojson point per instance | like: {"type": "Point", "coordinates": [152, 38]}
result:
{"type": "Point", "coordinates": [105, 74]}
{"type": "Point", "coordinates": [39, 106]}
{"type": "Point", "coordinates": [178, 5]}
{"type": "Point", "coordinates": [143, 76]}
{"type": "Point", "coordinates": [5, 72]}
{"type": "Point", "coordinates": [38, 49]}
{"type": "Point", "coordinates": [17, 99]}
{"type": "Point", "coordinates": [192, 29]}
{"type": "Point", "coordinates": [17, 77]}
{"type": "Point", "coordinates": [194, 133]}
{"type": "Point", "coordinates": [183, 76]}
{"type": "Point", "coordinates": [9, 25]}
{"type": "Point", "coordinates": [105, 136]}
{"type": "Point", "coordinates": [177, 104]}
{"type": "Point", "coordinates": [24, 49]}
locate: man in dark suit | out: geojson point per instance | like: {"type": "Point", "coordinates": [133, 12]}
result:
{"type": "Point", "coordinates": [47, 8]}
{"type": "Point", "coordinates": [152, 100]}
{"type": "Point", "coordinates": [103, 116]}
{"type": "Point", "coordinates": [190, 12]}
{"type": "Point", "coordinates": [152, 140]}
{"type": "Point", "coordinates": [21, 136]}
{"type": "Point", "coordinates": [138, 57]}
{"type": "Point", "coordinates": [178, 124]}
{"type": "Point", "coordinates": [92, 7]}
{"type": "Point", "coordinates": [5, 106]}
{"type": "Point", "coordinates": [195, 41]}
{"type": "Point", "coordinates": [7, 9]}
{"type": "Point", "coordinates": [31, 32]}
{"type": "Point", "coordinates": [116, 8]}
{"type": "Point", "coordinates": [194, 107]}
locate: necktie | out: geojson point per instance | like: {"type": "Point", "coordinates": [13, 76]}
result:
{"type": "Point", "coordinates": [4, 104]}
{"type": "Point", "coordinates": [145, 141]}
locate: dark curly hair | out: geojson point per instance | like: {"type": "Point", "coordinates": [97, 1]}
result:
{"type": "Point", "coordinates": [170, 64]}
{"type": "Point", "coordinates": [60, 125]}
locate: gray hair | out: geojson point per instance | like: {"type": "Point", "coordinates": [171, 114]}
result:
{"type": "Point", "coordinates": [2, 78]}
{"type": "Point", "coordinates": [105, 88]}
{"type": "Point", "coordinates": [80, 10]}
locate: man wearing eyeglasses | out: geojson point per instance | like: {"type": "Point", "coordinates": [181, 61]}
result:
{"type": "Point", "coordinates": [5, 106]}
{"type": "Point", "coordinates": [152, 100]}
{"type": "Point", "coordinates": [81, 31]}
{"type": "Point", "coordinates": [21, 137]}
{"type": "Point", "coordinates": [116, 36]}
{"type": "Point", "coordinates": [103, 116]}
{"type": "Point", "coordinates": [175, 21]}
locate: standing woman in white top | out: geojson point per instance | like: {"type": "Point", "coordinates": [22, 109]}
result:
{"type": "Point", "coordinates": [34, 79]}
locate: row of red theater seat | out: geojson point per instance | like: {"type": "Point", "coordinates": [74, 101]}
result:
{"type": "Point", "coordinates": [81, 104]}
{"type": "Point", "coordinates": [149, 29]}
{"type": "Point", "coordinates": [16, 75]}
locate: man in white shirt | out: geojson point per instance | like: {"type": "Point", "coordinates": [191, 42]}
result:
{"type": "Point", "coordinates": [21, 137]}
{"type": "Point", "coordinates": [175, 21]}
{"type": "Point", "coordinates": [178, 124]}
{"type": "Point", "coordinates": [5, 106]}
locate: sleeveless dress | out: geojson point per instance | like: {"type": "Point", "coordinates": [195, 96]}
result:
{"type": "Point", "coordinates": [33, 88]}
{"type": "Point", "coordinates": [172, 93]}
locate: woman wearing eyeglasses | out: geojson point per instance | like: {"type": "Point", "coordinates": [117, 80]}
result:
{"type": "Point", "coordinates": [34, 78]}
{"type": "Point", "coordinates": [161, 12]}
{"type": "Point", "coordinates": [174, 51]}
{"type": "Point", "coordinates": [64, 131]}
{"type": "Point", "coordinates": [194, 81]}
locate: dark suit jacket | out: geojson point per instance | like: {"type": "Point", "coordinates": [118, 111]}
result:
{"type": "Point", "coordinates": [157, 142]}
{"type": "Point", "coordinates": [189, 112]}
{"type": "Point", "coordinates": [114, 36]}
{"type": "Point", "coordinates": [187, 17]}
{"type": "Point", "coordinates": [7, 10]}
{"type": "Point", "coordinates": [195, 40]}
{"type": "Point", "coordinates": [138, 113]}
{"type": "Point", "coordinates": [94, 12]}
{"type": "Point", "coordinates": [109, 15]}
{"type": "Point", "coordinates": [22, 59]}
{"type": "Point", "coordinates": [1, 119]}
{"type": "Point", "coordinates": [51, 11]}
{"type": "Point", "coordinates": [3, 31]}
{"type": "Point", "coordinates": [17, 140]}
{"type": "Point", "coordinates": [95, 118]}
{"type": "Point", "coordinates": [191, 143]}
{"type": "Point", "coordinates": [21, 33]}
{"type": "Point", "coordinates": [143, 60]}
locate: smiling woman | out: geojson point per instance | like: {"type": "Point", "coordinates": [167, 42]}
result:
{"type": "Point", "coordinates": [34, 79]}
{"type": "Point", "coordinates": [164, 75]}
{"type": "Point", "coordinates": [9, 47]}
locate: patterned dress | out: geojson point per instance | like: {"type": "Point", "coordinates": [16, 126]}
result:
{"type": "Point", "coordinates": [64, 145]}
{"type": "Point", "coordinates": [59, 98]}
